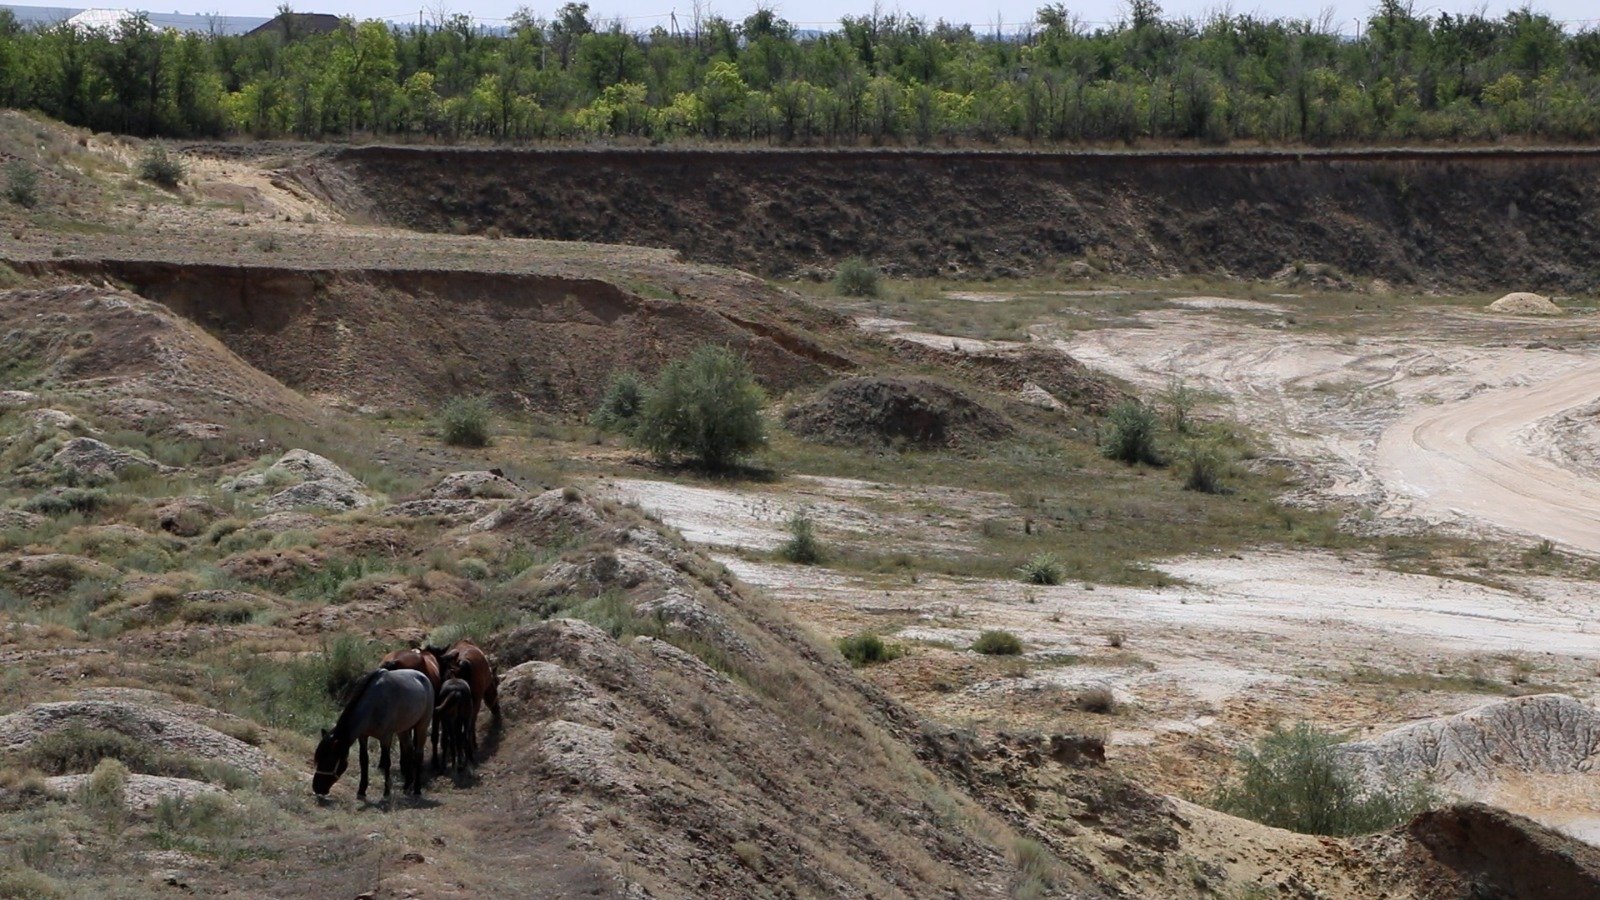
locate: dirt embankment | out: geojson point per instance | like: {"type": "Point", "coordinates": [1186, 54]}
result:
{"type": "Point", "coordinates": [395, 336]}
{"type": "Point", "coordinates": [1451, 219]}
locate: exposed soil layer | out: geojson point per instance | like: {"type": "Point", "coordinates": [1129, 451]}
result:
{"type": "Point", "coordinates": [396, 336]}
{"type": "Point", "coordinates": [1493, 853]}
{"type": "Point", "coordinates": [913, 412]}
{"type": "Point", "coordinates": [1456, 219]}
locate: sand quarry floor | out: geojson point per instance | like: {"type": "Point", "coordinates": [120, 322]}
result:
{"type": "Point", "coordinates": [1434, 416]}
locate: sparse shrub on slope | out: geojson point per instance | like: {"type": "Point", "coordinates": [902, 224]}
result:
{"type": "Point", "coordinates": [1041, 568]}
{"type": "Point", "coordinates": [998, 643]}
{"type": "Point", "coordinates": [866, 648]}
{"type": "Point", "coordinates": [1205, 468]}
{"type": "Point", "coordinates": [22, 184]}
{"type": "Point", "coordinates": [464, 422]}
{"type": "Point", "coordinates": [158, 166]}
{"type": "Point", "coordinates": [802, 545]}
{"type": "Point", "coordinates": [619, 406]}
{"type": "Point", "coordinates": [856, 277]}
{"type": "Point", "coordinates": [1294, 778]}
{"type": "Point", "coordinates": [1130, 434]}
{"type": "Point", "coordinates": [706, 408]}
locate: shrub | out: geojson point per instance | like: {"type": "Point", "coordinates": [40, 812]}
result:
{"type": "Point", "coordinates": [1179, 399]}
{"type": "Point", "coordinates": [865, 648]}
{"type": "Point", "coordinates": [998, 643]}
{"type": "Point", "coordinates": [1130, 435]}
{"type": "Point", "coordinates": [1041, 568]}
{"type": "Point", "coordinates": [1096, 700]}
{"type": "Point", "coordinates": [22, 184]}
{"type": "Point", "coordinates": [619, 406]}
{"type": "Point", "coordinates": [66, 500]}
{"type": "Point", "coordinates": [157, 166]}
{"type": "Point", "coordinates": [802, 545]}
{"type": "Point", "coordinates": [105, 792]}
{"type": "Point", "coordinates": [464, 422]}
{"type": "Point", "coordinates": [1294, 778]}
{"type": "Point", "coordinates": [706, 407]}
{"type": "Point", "coordinates": [342, 664]}
{"type": "Point", "coordinates": [1205, 467]}
{"type": "Point", "coordinates": [856, 277]}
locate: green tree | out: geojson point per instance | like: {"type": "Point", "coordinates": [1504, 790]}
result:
{"type": "Point", "coordinates": [705, 408]}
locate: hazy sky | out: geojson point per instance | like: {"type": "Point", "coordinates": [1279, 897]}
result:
{"type": "Point", "coordinates": [641, 15]}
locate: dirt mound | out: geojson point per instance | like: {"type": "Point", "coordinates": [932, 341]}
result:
{"type": "Point", "coordinates": [911, 412]}
{"type": "Point", "coordinates": [1545, 734]}
{"type": "Point", "coordinates": [1024, 372]}
{"type": "Point", "coordinates": [399, 337]}
{"type": "Point", "coordinates": [1401, 216]}
{"type": "Point", "coordinates": [1523, 303]}
{"type": "Point", "coordinates": [157, 727]}
{"type": "Point", "coordinates": [1479, 851]}
{"type": "Point", "coordinates": [114, 346]}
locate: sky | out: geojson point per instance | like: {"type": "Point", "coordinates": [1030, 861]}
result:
{"type": "Point", "coordinates": [642, 15]}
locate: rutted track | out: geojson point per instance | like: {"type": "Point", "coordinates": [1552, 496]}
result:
{"type": "Point", "coordinates": [1470, 458]}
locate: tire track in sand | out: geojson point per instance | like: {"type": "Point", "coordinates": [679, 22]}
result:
{"type": "Point", "coordinates": [1469, 458]}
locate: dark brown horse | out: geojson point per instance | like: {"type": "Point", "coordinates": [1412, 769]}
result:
{"type": "Point", "coordinates": [476, 671]}
{"type": "Point", "coordinates": [453, 715]}
{"type": "Point", "coordinates": [428, 664]}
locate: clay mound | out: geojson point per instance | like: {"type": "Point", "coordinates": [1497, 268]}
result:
{"type": "Point", "coordinates": [1545, 734]}
{"type": "Point", "coordinates": [154, 726]}
{"type": "Point", "coordinates": [1523, 303]}
{"type": "Point", "coordinates": [1475, 850]}
{"type": "Point", "coordinates": [114, 346]}
{"type": "Point", "coordinates": [1031, 372]}
{"type": "Point", "coordinates": [896, 411]}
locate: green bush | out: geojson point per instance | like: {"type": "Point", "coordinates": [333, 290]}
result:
{"type": "Point", "coordinates": [1041, 568]}
{"type": "Point", "coordinates": [1205, 467]}
{"type": "Point", "coordinates": [619, 406]}
{"type": "Point", "coordinates": [66, 500]}
{"type": "Point", "coordinates": [105, 792]}
{"type": "Point", "coordinates": [802, 545]}
{"type": "Point", "coordinates": [866, 648]}
{"type": "Point", "coordinates": [1294, 778]}
{"type": "Point", "coordinates": [706, 408]}
{"type": "Point", "coordinates": [464, 422]}
{"type": "Point", "coordinates": [856, 277]}
{"type": "Point", "coordinates": [157, 166]}
{"type": "Point", "coordinates": [1130, 434]}
{"type": "Point", "coordinates": [998, 643]}
{"type": "Point", "coordinates": [22, 184]}
{"type": "Point", "coordinates": [1179, 400]}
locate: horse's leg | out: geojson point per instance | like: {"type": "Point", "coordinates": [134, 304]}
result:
{"type": "Point", "coordinates": [472, 732]}
{"type": "Point", "coordinates": [361, 792]}
{"type": "Point", "coordinates": [420, 738]}
{"type": "Point", "coordinates": [433, 736]}
{"type": "Point", "coordinates": [383, 763]}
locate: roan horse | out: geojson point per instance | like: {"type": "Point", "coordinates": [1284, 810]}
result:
{"type": "Point", "coordinates": [383, 704]}
{"type": "Point", "coordinates": [428, 664]}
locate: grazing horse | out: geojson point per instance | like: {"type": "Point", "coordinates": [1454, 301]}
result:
{"type": "Point", "coordinates": [383, 704]}
{"type": "Point", "coordinates": [478, 673]}
{"type": "Point", "coordinates": [427, 664]}
{"type": "Point", "coordinates": [453, 715]}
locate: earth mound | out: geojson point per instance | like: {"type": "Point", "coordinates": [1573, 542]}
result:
{"type": "Point", "coordinates": [912, 412]}
{"type": "Point", "coordinates": [1523, 303]}
{"type": "Point", "coordinates": [1480, 851]}
{"type": "Point", "coordinates": [1544, 734]}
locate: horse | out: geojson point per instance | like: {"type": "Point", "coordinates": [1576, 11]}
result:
{"type": "Point", "coordinates": [453, 716]}
{"type": "Point", "coordinates": [480, 674]}
{"type": "Point", "coordinates": [427, 664]}
{"type": "Point", "coordinates": [383, 704]}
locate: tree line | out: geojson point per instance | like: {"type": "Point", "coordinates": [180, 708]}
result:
{"type": "Point", "coordinates": [878, 79]}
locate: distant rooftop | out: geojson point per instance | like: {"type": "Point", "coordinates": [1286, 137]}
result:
{"type": "Point", "coordinates": [111, 18]}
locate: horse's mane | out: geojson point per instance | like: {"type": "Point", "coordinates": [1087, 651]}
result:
{"type": "Point", "coordinates": [357, 690]}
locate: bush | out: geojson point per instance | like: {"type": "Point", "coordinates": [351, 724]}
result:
{"type": "Point", "coordinates": [1096, 700]}
{"type": "Point", "coordinates": [1179, 399]}
{"type": "Point", "coordinates": [619, 406]}
{"type": "Point", "coordinates": [464, 422]}
{"type": "Point", "coordinates": [1041, 568]}
{"type": "Point", "coordinates": [1131, 434]}
{"type": "Point", "coordinates": [22, 184]}
{"type": "Point", "coordinates": [1206, 467]}
{"type": "Point", "coordinates": [66, 500]}
{"type": "Point", "coordinates": [706, 407]}
{"type": "Point", "coordinates": [802, 545]}
{"type": "Point", "coordinates": [865, 648]}
{"type": "Point", "coordinates": [1294, 778]}
{"type": "Point", "coordinates": [998, 643]}
{"type": "Point", "coordinates": [105, 792]}
{"type": "Point", "coordinates": [157, 166]}
{"type": "Point", "coordinates": [856, 277]}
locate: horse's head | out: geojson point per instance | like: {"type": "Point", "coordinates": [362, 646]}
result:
{"type": "Point", "coordinates": [331, 760]}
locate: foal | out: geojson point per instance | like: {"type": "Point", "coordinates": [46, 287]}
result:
{"type": "Point", "coordinates": [453, 715]}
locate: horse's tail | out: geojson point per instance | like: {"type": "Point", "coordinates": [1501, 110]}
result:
{"type": "Point", "coordinates": [450, 699]}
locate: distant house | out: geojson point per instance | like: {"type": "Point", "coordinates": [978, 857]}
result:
{"type": "Point", "coordinates": [111, 19]}
{"type": "Point", "coordinates": [293, 25]}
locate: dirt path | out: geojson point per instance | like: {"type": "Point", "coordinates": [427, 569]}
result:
{"type": "Point", "coordinates": [1474, 458]}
